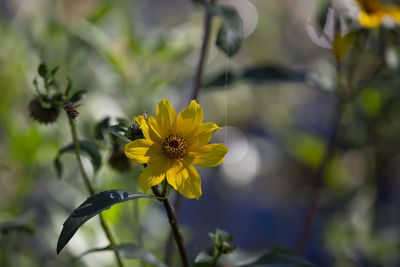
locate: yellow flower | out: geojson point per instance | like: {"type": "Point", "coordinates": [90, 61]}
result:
{"type": "Point", "coordinates": [373, 13]}
{"type": "Point", "coordinates": [171, 146]}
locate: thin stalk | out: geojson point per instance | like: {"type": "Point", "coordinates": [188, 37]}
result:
{"type": "Point", "coordinates": [174, 226]}
{"type": "Point", "coordinates": [317, 183]}
{"type": "Point", "coordinates": [90, 189]}
{"type": "Point", "coordinates": [198, 81]}
{"type": "Point", "coordinates": [138, 231]}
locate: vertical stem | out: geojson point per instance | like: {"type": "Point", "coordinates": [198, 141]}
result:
{"type": "Point", "coordinates": [317, 183]}
{"type": "Point", "coordinates": [174, 225]}
{"type": "Point", "coordinates": [198, 80]}
{"type": "Point", "coordinates": [90, 188]}
{"type": "Point", "coordinates": [204, 48]}
{"type": "Point", "coordinates": [138, 230]}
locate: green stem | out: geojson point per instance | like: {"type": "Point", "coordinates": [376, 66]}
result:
{"type": "Point", "coordinates": [174, 226]}
{"type": "Point", "coordinates": [198, 81]}
{"type": "Point", "coordinates": [90, 188]}
{"type": "Point", "coordinates": [216, 258]}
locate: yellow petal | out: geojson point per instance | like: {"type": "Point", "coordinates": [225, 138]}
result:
{"type": "Point", "coordinates": [138, 150]}
{"type": "Point", "coordinates": [166, 118]}
{"type": "Point", "coordinates": [189, 120]}
{"type": "Point", "coordinates": [149, 128]}
{"type": "Point", "coordinates": [370, 20]}
{"type": "Point", "coordinates": [209, 155]}
{"type": "Point", "coordinates": [394, 12]}
{"type": "Point", "coordinates": [177, 175]}
{"type": "Point", "coordinates": [153, 174]}
{"type": "Point", "coordinates": [202, 136]}
{"type": "Point", "coordinates": [191, 186]}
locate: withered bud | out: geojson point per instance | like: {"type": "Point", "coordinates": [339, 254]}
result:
{"type": "Point", "coordinates": [70, 109]}
{"type": "Point", "coordinates": [43, 110]}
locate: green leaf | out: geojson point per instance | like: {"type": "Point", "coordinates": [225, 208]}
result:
{"type": "Point", "coordinates": [267, 72]}
{"type": "Point", "coordinates": [130, 251]}
{"type": "Point", "coordinates": [119, 131]}
{"type": "Point", "coordinates": [100, 128]}
{"type": "Point", "coordinates": [276, 259]}
{"type": "Point", "coordinates": [222, 79]}
{"type": "Point", "coordinates": [42, 70]}
{"type": "Point", "coordinates": [259, 74]}
{"type": "Point", "coordinates": [203, 260]}
{"type": "Point", "coordinates": [90, 208]}
{"type": "Point", "coordinates": [54, 71]}
{"type": "Point", "coordinates": [69, 86]}
{"type": "Point", "coordinates": [87, 148]}
{"type": "Point", "coordinates": [78, 96]}
{"type": "Point", "coordinates": [230, 34]}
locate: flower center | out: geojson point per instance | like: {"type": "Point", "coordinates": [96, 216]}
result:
{"type": "Point", "coordinates": [174, 147]}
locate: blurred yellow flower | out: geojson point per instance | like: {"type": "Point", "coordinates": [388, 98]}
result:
{"type": "Point", "coordinates": [373, 13]}
{"type": "Point", "coordinates": [171, 146]}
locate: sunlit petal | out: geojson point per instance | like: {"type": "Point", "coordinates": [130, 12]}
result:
{"type": "Point", "coordinates": [189, 120]}
{"type": "Point", "coordinates": [177, 175]}
{"type": "Point", "coordinates": [149, 128]}
{"type": "Point", "coordinates": [138, 150]}
{"type": "Point", "coordinates": [153, 174]}
{"type": "Point", "coordinates": [166, 118]}
{"type": "Point", "coordinates": [191, 187]}
{"type": "Point", "coordinates": [209, 155]}
{"type": "Point", "coordinates": [202, 135]}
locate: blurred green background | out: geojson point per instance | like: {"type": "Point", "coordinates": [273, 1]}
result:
{"type": "Point", "coordinates": [275, 99]}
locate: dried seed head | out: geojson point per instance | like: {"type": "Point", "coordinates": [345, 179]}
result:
{"type": "Point", "coordinates": [43, 110]}
{"type": "Point", "coordinates": [70, 109]}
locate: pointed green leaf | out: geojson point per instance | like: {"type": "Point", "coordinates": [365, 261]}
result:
{"type": "Point", "coordinates": [87, 148]}
{"type": "Point", "coordinates": [119, 131]}
{"type": "Point", "coordinates": [78, 96]}
{"type": "Point", "coordinates": [203, 260]}
{"type": "Point", "coordinates": [54, 71]}
{"type": "Point", "coordinates": [90, 208]}
{"type": "Point", "coordinates": [42, 70]}
{"type": "Point", "coordinates": [230, 34]}
{"type": "Point", "coordinates": [69, 86]}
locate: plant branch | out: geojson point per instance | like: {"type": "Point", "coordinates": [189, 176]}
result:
{"type": "Point", "coordinates": [90, 189]}
{"type": "Point", "coordinates": [198, 80]}
{"type": "Point", "coordinates": [174, 226]}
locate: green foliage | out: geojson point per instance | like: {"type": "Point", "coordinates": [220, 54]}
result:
{"type": "Point", "coordinates": [230, 34]}
{"type": "Point", "coordinates": [130, 251]}
{"type": "Point", "coordinates": [221, 244]}
{"type": "Point", "coordinates": [100, 128]}
{"type": "Point", "coordinates": [257, 75]}
{"type": "Point", "coordinates": [87, 148]}
{"type": "Point", "coordinates": [78, 95]}
{"type": "Point", "coordinates": [90, 208]}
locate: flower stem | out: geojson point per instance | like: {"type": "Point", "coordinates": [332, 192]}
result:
{"type": "Point", "coordinates": [198, 80]}
{"type": "Point", "coordinates": [174, 226]}
{"type": "Point", "coordinates": [317, 183]}
{"type": "Point", "coordinates": [90, 189]}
